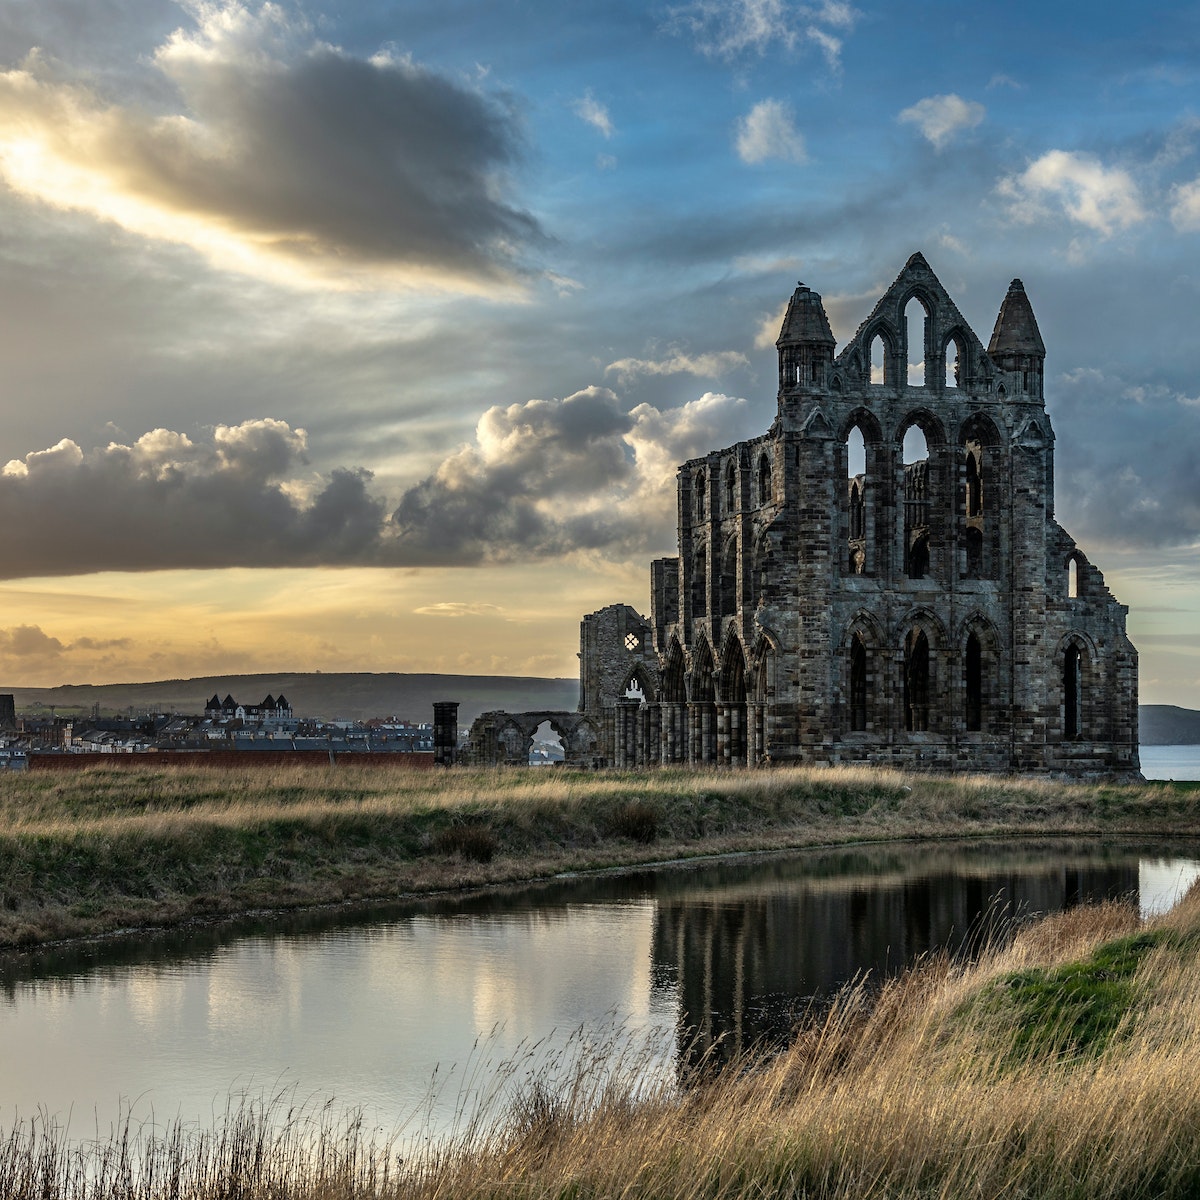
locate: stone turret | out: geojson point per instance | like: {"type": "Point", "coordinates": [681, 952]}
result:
{"type": "Point", "coordinates": [1016, 344]}
{"type": "Point", "coordinates": [805, 342]}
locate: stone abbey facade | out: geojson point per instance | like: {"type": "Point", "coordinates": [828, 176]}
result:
{"type": "Point", "coordinates": [879, 578]}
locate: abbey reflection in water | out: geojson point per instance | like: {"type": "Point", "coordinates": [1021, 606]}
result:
{"type": "Point", "coordinates": [743, 956]}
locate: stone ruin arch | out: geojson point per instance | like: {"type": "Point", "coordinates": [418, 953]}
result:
{"type": "Point", "coordinates": [504, 739]}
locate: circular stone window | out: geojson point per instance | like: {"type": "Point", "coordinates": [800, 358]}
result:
{"type": "Point", "coordinates": [632, 641]}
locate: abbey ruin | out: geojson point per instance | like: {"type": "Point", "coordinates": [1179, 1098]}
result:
{"type": "Point", "coordinates": [879, 578]}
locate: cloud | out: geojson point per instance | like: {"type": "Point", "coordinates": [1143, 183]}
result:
{"type": "Point", "coordinates": [553, 477]}
{"type": "Point", "coordinates": [542, 478]}
{"type": "Point", "coordinates": [1130, 474]}
{"type": "Point", "coordinates": [1104, 199]}
{"type": "Point", "coordinates": [458, 608]}
{"type": "Point", "coordinates": [770, 325]}
{"type": "Point", "coordinates": [940, 118]}
{"type": "Point", "coordinates": [830, 46]}
{"type": "Point", "coordinates": [29, 642]}
{"type": "Point", "coordinates": [282, 157]}
{"type": "Point", "coordinates": [731, 28]}
{"type": "Point", "coordinates": [769, 131]}
{"type": "Point", "coordinates": [237, 497]}
{"type": "Point", "coordinates": [1185, 206]}
{"type": "Point", "coordinates": [715, 363]}
{"type": "Point", "coordinates": [589, 109]}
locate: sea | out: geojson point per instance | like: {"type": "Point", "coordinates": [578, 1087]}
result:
{"type": "Point", "coordinates": [1170, 762]}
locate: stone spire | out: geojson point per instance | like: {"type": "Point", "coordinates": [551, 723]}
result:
{"type": "Point", "coordinates": [1016, 344]}
{"type": "Point", "coordinates": [805, 320]}
{"type": "Point", "coordinates": [1016, 332]}
{"type": "Point", "coordinates": [805, 342]}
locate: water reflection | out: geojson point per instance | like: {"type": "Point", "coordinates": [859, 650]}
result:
{"type": "Point", "coordinates": [744, 953]}
{"type": "Point", "coordinates": [369, 1005]}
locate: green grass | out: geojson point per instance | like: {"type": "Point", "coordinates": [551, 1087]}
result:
{"type": "Point", "coordinates": [102, 849]}
{"type": "Point", "coordinates": [1073, 1009]}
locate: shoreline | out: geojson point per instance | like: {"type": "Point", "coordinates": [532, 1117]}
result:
{"type": "Point", "coordinates": [117, 854]}
{"type": "Point", "coordinates": [1008, 1073]}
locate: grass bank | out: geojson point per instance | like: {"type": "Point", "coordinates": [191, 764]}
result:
{"type": "Point", "coordinates": [1066, 1065]}
{"type": "Point", "coordinates": [100, 850]}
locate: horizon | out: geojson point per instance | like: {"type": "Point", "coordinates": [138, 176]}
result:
{"type": "Point", "coordinates": [369, 338]}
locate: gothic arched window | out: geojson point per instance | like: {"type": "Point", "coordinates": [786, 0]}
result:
{"type": "Point", "coordinates": [973, 679]}
{"type": "Point", "coordinates": [916, 681]}
{"type": "Point", "coordinates": [1072, 693]}
{"type": "Point", "coordinates": [858, 683]}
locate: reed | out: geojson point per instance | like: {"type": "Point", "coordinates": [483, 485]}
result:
{"type": "Point", "coordinates": [943, 1083]}
{"type": "Point", "coordinates": [97, 850]}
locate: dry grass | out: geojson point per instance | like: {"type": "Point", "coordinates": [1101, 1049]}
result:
{"type": "Point", "coordinates": [928, 1089]}
{"type": "Point", "coordinates": [98, 850]}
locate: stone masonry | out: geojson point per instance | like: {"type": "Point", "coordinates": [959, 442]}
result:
{"type": "Point", "coordinates": [848, 590]}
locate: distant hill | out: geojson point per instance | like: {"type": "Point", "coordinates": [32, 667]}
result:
{"type": "Point", "coordinates": [352, 696]}
{"type": "Point", "coordinates": [361, 695]}
{"type": "Point", "coordinates": [1169, 725]}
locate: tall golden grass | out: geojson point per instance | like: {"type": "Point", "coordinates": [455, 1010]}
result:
{"type": "Point", "coordinates": [103, 849]}
{"type": "Point", "coordinates": [923, 1088]}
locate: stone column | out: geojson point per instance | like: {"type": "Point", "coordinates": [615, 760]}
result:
{"type": "Point", "coordinates": [654, 725]}
{"type": "Point", "coordinates": [445, 732]}
{"type": "Point", "coordinates": [707, 732]}
{"type": "Point", "coordinates": [627, 731]}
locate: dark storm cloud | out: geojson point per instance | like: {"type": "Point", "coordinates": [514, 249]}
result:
{"type": "Point", "coordinates": [168, 501]}
{"type": "Point", "coordinates": [554, 477]}
{"type": "Point", "coordinates": [544, 478]}
{"type": "Point", "coordinates": [286, 149]}
{"type": "Point", "coordinates": [511, 492]}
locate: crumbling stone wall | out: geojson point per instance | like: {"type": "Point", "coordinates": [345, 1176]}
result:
{"type": "Point", "coordinates": [927, 613]}
{"type": "Point", "coordinates": [500, 738]}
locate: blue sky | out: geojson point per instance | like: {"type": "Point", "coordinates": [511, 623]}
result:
{"type": "Point", "coordinates": [368, 335]}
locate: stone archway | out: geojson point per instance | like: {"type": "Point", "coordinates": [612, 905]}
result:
{"type": "Point", "coordinates": [501, 738]}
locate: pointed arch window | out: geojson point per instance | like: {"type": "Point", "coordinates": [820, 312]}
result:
{"type": "Point", "coordinates": [1072, 693]}
{"type": "Point", "coordinates": [916, 682]}
{"type": "Point", "coordinates": [1072, 579]}
{"type": "Point", "coordinates": [856, 500]}
{"type": "Point", "coordinates": [765, 489]}
{"type": "Point", "coordinates": [918, 557]}
{"type": "Point", "coordinates": [699, 585]}
{"type": "Point", "coordinates": [729, 574]}
{"type": "Point", "coordinates": [858, 683]}
{"type": "Point", "coordinates": [954, 355]}
{"type": "Point", "coordinates": [916, 325]}
{"type": "Point", "coordinates": [973, 680]}
{"type": "Point", "coordinates": [730, 488]}
{"type": "Point", "coordinates": [878, 352]}
{"type": "Point", "coordinates": [857, 522]}
{"type": "Point", "coordinates": [701, 483]}
{"type": "Point", "coordinates": [915, 452]}
{"type": "Point", "coordinates": [974, 496]}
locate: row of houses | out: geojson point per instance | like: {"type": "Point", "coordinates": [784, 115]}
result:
{"type": "Point", "coordinates": [225, 725]}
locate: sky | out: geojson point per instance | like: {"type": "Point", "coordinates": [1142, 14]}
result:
{"type": "Point", "coordinates": [368, 335]}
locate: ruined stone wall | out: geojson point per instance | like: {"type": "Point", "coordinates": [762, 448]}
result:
{"type": "Point", "coordinates": [914, 612]}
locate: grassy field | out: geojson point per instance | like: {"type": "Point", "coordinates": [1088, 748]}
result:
{"type": "Point", "coordinates": [101, 850]}
{"type": "Point", "coordinates": [1063, 1066]}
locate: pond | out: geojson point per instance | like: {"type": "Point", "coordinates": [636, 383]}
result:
{"type": "Point", "coordinates": [404, 1011]}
